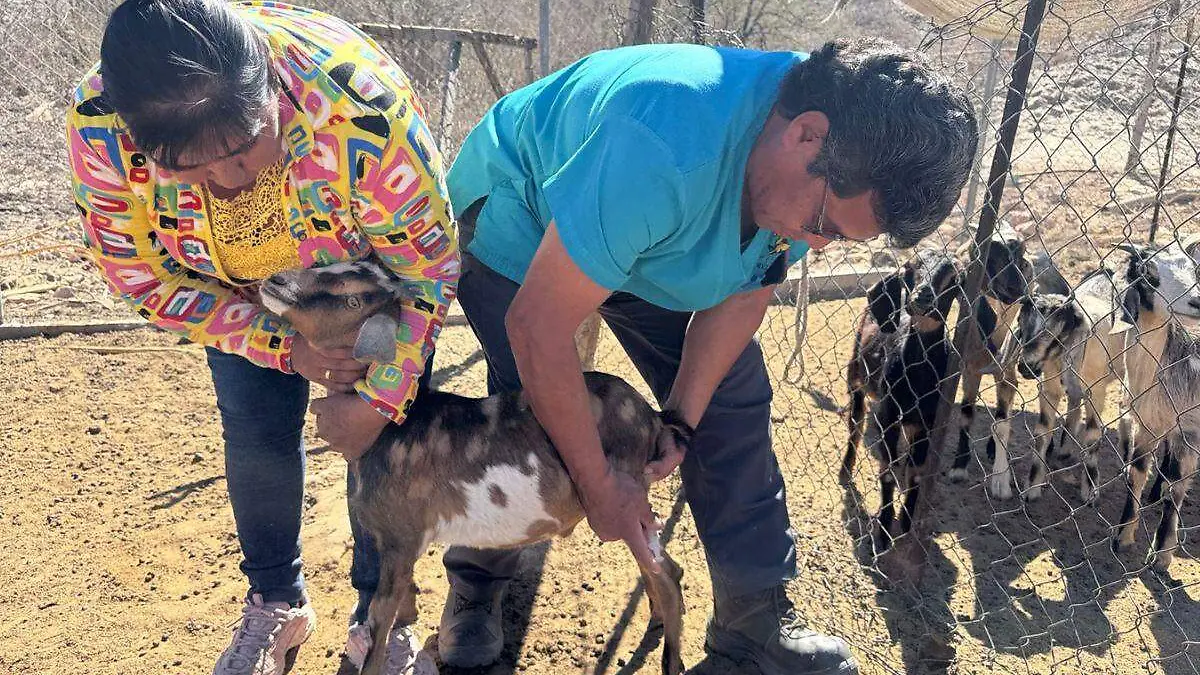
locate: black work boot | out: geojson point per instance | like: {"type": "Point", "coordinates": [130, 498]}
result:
{"type": "Point", "coordinates": [762, 629]}
{"type": "Point", "coordinates": [471, 633]}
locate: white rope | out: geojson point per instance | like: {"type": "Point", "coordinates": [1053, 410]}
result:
{"type": "Point", "coordinates": [801, 325]}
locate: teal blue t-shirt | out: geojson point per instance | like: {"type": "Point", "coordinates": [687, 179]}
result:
{"type": "Point", "coordinates": [639, 155]}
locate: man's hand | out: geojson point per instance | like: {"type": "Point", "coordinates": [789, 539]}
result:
{"type": "Point", "coordinates": [618, 509]}
{"type": "Point", "coordinates": [672, 456]}
{"type": "Point", "coordinates": [335, 369]}
{"type": "Point", "coordinates": [348, 423]}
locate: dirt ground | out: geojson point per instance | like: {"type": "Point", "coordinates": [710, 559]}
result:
{"type": "Point", "coordinates": [117, 548]}
{"type": "Point", "coordinates": [120, 557]}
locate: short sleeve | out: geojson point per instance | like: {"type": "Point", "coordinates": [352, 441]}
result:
{"type": "Point", "coordinates": [618, 195]}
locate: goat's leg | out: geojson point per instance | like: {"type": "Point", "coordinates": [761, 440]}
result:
{"type": "Point", "coordinates": [918, 452]}
{"type": "Point", "coordinates": [394, 602]}
{"type": "Point", "coordinates": [1138, 449]}
{"type": "Point", "coordinates": [854, 424]}
{"type": "Point", "coordinates": [889, 453]}
{"type": "Point", "coordinates": [1050, 391]}
{"type": "Point", "coordinates": [1069, 446]}
{"type": "Point", "coordinates": [1089, 471]}
{"type": "Point", "coordinates": [966, 417]}
{"type": "Point", "coordinates": [1001, 480]}
{"type": "Point", "coordinates": [666, 605]}
{"type": "Point", "coordinates": [1156, 490]}
{"type": "Point", "coordinates": [1181, 463]}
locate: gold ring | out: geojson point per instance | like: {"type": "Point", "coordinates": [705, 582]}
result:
{"type": "Point", "coordinates": [328, 374]}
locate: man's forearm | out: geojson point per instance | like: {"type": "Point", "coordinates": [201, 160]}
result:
{"type": "Point", "coordinates": [553, 382]}
{"type": "Point", "coordinates": [715, 339]}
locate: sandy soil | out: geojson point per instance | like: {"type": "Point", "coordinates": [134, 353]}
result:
{"type": "Point", "coordinates": [120, 555]}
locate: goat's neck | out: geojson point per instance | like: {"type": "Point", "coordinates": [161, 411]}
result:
{"type": "Point", "coordinates": [1152, 330]}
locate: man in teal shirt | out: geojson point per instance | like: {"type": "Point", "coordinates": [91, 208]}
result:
{"type": "Point", "coordinates": [669, 187]}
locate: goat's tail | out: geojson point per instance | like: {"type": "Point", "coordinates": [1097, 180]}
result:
{"type": "Point", "coordinates": [672, 428]}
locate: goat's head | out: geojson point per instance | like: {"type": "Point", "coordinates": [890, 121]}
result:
{"type": "Point", "coordinates": [1162, 281]}
{"type": "Point", "coordinates": [1047, 324]}
{"type": "Point", "coordinates": [926, 288]}
{"type": "Point", "coordinates": [1008, 271]}
{"type": "Point", "coordinates": [935, 281]}
{"type": "Point", "coordinates": [340, 305]}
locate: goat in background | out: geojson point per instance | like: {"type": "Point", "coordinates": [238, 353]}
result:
{"type": "Point", "coordinates": [1157, 289]}
{"type": "Point", "coordinates": [900, 358]}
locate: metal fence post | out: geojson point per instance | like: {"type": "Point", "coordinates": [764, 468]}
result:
{"type": "Point", "coordinates": [544, 36]}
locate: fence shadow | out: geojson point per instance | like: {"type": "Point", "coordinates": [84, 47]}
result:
{"type": "Point", "coordinates": [1178, 613]}
{"type": "Point", "coordinates": [1043, 572]}
{"type": "Point", "coordinates": [168, 498]}
{"type": "Point", "coordinates": [918, 619]}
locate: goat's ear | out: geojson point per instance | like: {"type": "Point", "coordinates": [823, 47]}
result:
{"type": "Point", "coordinates": [884, 301]}
{"type": "Point", "coordinates": [986, 320]}
{"type": "Point", "coordinates": [376, 340]}
{"type": "Point", "coordinates": [1130, 306]}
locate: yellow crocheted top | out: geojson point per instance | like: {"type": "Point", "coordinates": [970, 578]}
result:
{"type": "Point", "coordinates": [250, 230]}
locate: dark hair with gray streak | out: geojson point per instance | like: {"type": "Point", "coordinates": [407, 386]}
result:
{"type": "Point", "coordinates": [895, 127]}
{"type": "Point", "coordinates": [184, 74]}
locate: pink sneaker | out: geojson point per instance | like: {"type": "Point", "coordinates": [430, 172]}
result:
{"type": "Point", "coordinates": [267, 638]}
{"type": "Point", "coordinates": [405, 655]}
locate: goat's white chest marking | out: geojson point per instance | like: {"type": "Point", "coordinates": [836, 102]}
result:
{"type": "Point", "coordinates": [501, 509]}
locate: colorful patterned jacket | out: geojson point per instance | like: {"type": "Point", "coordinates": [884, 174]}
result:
{"type": "Point", "coordinates": [363, 178]}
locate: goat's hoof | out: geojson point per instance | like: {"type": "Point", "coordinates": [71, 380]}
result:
{"type": "Point", "coordinates": [881, 541]}
{"type": "Point", "coordinates": [1120, 545]}
{"type": "Point", "coordinates": [1000, 486]}
{"type": "Point", "coordinates": [1160, 560]}
{"type": "Point", "coordinates": [1034, 493]}
{"type": "Point", "coordinates": [958, 474]}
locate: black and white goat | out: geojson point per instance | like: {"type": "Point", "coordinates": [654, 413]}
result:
{"type": "Point", "coordinates": [1157, 293]}
{"type": "Point", "coordinates": [1067, 344]}
{"type": "Point", "coordinates": [478, 472]}
{"type": "Point", "coordinates": [1005, 281]}
{"type": "Point", "coordinates": [899, 361]}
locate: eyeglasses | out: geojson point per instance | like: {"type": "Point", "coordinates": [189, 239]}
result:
{"type": "Point", "coordinates": [818, 230]}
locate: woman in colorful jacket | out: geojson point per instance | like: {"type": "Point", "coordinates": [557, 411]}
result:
{"type": "Point", "coordinates": [214, 145]}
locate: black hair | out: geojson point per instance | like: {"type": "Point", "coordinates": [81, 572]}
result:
{"type": "Point", "coordinates": [184, 75]}
{"type": "Point", "coordinates": [895, 127]}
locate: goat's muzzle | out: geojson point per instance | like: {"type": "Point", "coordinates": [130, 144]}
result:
{"type": "Point", "coordinates": [1029, 371]}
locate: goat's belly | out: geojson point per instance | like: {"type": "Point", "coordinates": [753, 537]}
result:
{"type": "Point", "coordinates": [504, 508]}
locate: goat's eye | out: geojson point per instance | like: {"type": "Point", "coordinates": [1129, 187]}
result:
{"type": "Point", "coordinates": [353, 302]}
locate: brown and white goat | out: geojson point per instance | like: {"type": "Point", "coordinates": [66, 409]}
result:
{"type": "Point", "coordinates": [1157, 290]}
{"type": "Point", "coordinates": [478, 472]}
{"type": "Point", "coordinates": [900, 359]}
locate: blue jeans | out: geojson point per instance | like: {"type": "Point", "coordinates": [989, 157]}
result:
{"type": "Point", "coordinates": [731, 479]}
{"type": "Point", "coordinates": [262, 420]}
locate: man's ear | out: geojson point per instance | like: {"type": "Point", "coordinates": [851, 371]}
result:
{"type": "Point", "coordinates": [376, 340]}
{"type": "Point", "coordinates": [805, 128]}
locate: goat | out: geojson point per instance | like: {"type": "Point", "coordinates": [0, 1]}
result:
{"type": "Point", "coordinates": [899, 360]}
{"type": "Point", "coordinates": [477, 472]}
{"type": "Point", "coordinates": [1005, 280]}
{"type": "Point", "coordinates": [1065, 342]}
{"type": "Point", "coordinates": [1156, 290]}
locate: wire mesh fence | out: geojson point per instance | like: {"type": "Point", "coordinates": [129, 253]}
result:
{"type": "Point", "coordinates": [1017, 571]}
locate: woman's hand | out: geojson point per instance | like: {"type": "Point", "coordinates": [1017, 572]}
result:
{"type": "Point", "coordinates": [348, 423]}
{"type": "Point", "coordinates": [334, 369]}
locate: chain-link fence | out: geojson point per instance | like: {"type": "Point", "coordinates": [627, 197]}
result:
{"type": "Point", "coordinates": [1089, 141]}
